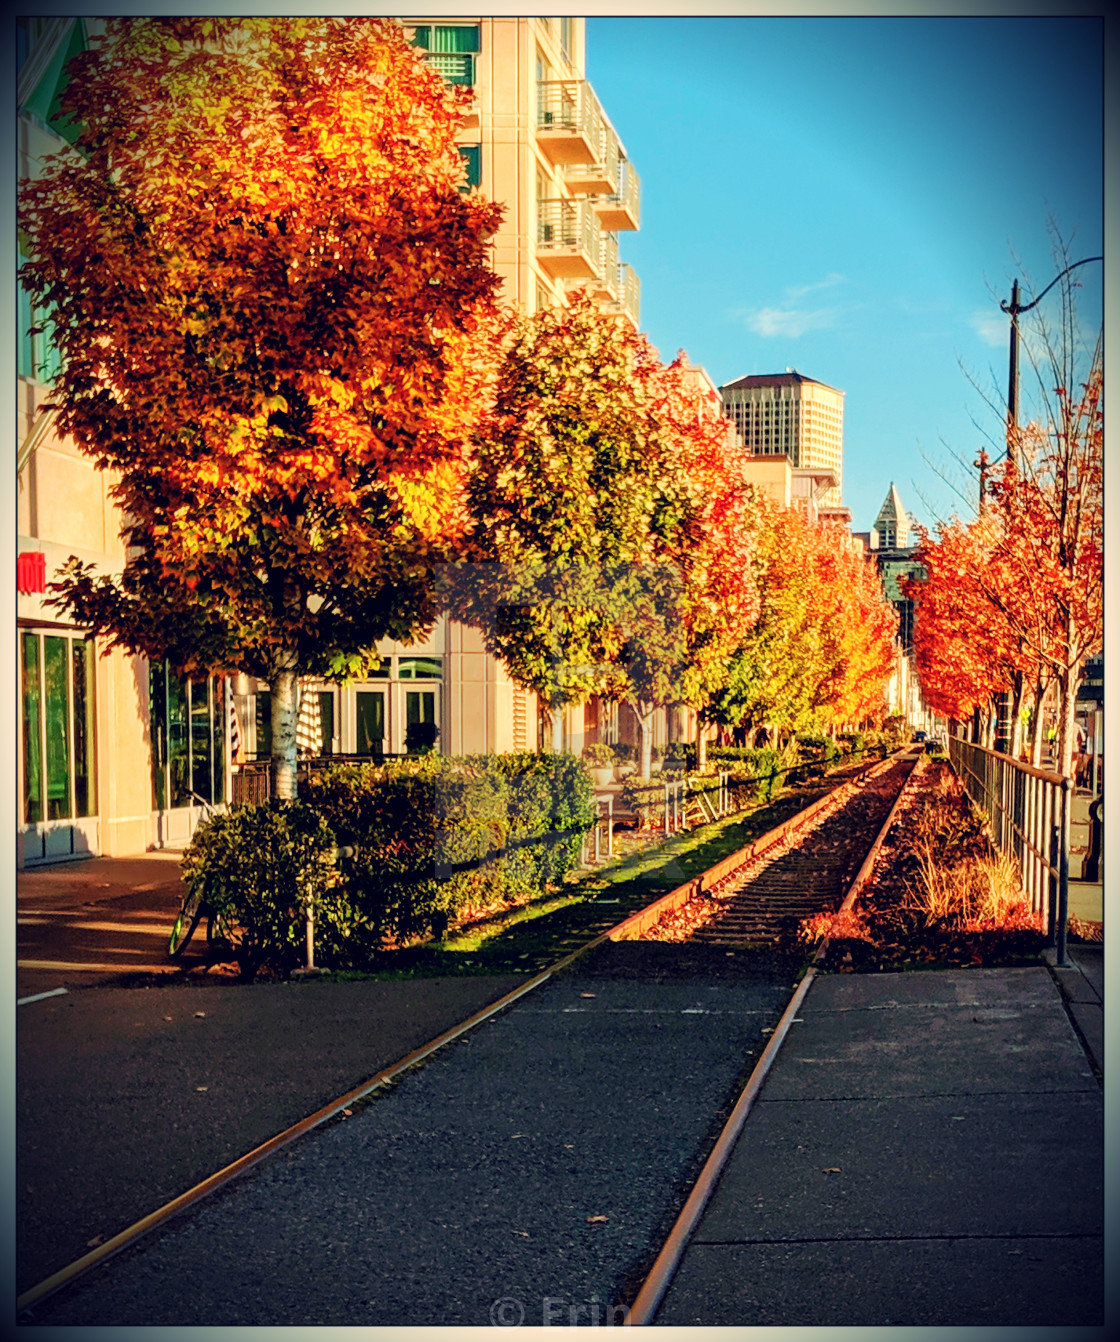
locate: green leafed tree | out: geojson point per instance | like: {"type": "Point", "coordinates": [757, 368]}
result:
{"type": "Point", "coordinates": [562, 494]}
{"type": "Point", "coordinates": [277, 321]}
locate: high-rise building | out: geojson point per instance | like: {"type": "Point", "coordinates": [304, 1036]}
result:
{"type": "Point", "coordinates": [538, 140]}
{"type": "Point", "coordinates": [788, 413]}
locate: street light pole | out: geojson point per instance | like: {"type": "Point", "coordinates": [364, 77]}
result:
{"type": "Point", "coordinates": [1014, 310]}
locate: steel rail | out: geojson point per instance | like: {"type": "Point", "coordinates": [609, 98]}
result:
{"type": "Point", "coordinates": [657, 1282]}
{"type": "Point", "coordinates": [213, 1182]}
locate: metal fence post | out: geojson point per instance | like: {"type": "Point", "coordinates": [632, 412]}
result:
{"type": "Point", "coordinates": [1063, 874]}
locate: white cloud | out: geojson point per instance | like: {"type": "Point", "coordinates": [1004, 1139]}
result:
{"type": "Point", "coordinates": [788, 318]}
{"type": "Point", "coordinates": [991, 327]}
{"type": "Point", "coordinates": [790, 322]}
{"type": "Point", "coordinates": [800, 290]}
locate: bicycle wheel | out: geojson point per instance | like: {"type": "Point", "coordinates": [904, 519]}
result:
{"type": "Point", "coordinates": [187, 921]}
{"type": "Point", "coordinates": [221, 931]}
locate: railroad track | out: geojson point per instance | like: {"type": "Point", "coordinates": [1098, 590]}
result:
{"type": "Point", "coordinates": [766, 899]}
{"type": "Point", "coordinates": [759, 899]}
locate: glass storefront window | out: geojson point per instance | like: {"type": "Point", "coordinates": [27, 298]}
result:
{"type": "Point", "coordinates": [326, 717]}
{"type": "Point", "coordinates": [58, 753]}
{"type": "Point", "coordinates": [263, 712]}
{"type": "Point", "coordinates": [178, 741]}
{"type": "Point", "coordinates": [32, 734]}
{"type": "Point", "coordinates": [202, 740]}
{"type": "Point", "coordinates": [370, 707]}
{"type": "Point", "coordinates": [85, 781]}
{"type": "Point", "coordinates": [188, 737]}
{"type": "Point", "coordinates": [56, 706]}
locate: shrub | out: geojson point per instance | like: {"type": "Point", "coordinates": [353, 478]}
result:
{"type": "Point", "coordinates": [764, 765]}
{"type": "Point", "coordinates": [599, 755]}
{"type": "Point", "coordinates": [680, 756]}
{"type": "Point", "coordinates": [646, 797]}
{"type": "Point", "coordinates": [260, 868]}
{"type": "Point", "coordinates": [435, 835]}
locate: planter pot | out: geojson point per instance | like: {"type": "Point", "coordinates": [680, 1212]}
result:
{"type": "Point", "coordinates": [655, 766]}
{"type": "Point", "coordinates": [603, 777]}
{"type": "Point", "coordinates": [623, 771]}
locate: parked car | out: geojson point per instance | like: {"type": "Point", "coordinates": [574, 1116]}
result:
{"type": "Point", "coordinates": [918, 736]}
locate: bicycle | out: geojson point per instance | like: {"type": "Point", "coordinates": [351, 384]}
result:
{"type": "Point", "coordinates": [219, 929]}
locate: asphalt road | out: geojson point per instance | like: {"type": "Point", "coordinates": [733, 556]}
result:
{"type": "Point", "coordinates": [524, 1172]}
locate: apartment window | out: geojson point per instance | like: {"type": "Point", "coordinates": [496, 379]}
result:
{"type": "Point", "coordinates": [472, 158]}
{"type": "Point", "coordinates": [451, 49]}
{"type": "Point", "coordinates": [38, 354]}
{"type": "Point", "coordinates": [419, 668]}
{"type": "Point", "coordinates": [566, 35]}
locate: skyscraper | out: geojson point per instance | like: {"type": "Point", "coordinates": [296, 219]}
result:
{"type": "Point", "coordinates": [791, 414]}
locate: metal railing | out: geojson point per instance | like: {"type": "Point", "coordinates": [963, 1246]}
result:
{"type": "Point", "coordinates": [676, 804]}
{"type": "Point", "coordinates": [630, 291]}
{"type": "Point", "coordinates": [569, 105]}
{"type": "Point", "coordinates": [1028, 814]}
{"type": "Point", "coordinates": [566, 225]}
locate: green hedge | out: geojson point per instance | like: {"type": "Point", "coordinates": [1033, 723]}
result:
{"type": "Point", "coordinates": [422, 839]}
{"type": "Point", "coordinates": [437, 835]}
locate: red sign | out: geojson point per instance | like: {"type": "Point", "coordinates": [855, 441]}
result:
{"type": "Point", "coordinates": [31, 571]}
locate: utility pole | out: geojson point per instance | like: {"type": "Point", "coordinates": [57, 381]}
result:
{"type": "Point", "coordinates": [1014, 310]}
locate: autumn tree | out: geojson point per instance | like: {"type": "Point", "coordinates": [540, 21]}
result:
{"type": "Point", "coordinates": [691, 602]}
{"type": "Point", "coordinates": [273, 305]}
{"type": "Point", "coordinates": [964, 651]}
{"type": "Point", "coordinates": [821, 651]}
{"type": "Point", "coordinates": [857, 627]}
{"type": "Point", "coordinates": [562, 496]}
{"type": "Point", "coordinates": [1029, 572]}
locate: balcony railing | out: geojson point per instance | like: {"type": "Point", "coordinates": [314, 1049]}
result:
{"type": "Point", "coordinates": [629, 290]}
{"type": "Point", "coordinates": [601, 177]}
{"type": "Point", "coordinates": [457, 67]}
{"type": "Point", "coordinates": [622, 210]}
{"type": "Point", "coordinates": [568, 235]}
{"type": "Point", "coordinates": [605, 285]}
{"type": "Point", "coordinates": [569, 121]}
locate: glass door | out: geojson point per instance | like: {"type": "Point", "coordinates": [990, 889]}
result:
{"type": "Point", "coordinates": [58, 786]}
{"type": "Point", "coordinates": [370, 720]}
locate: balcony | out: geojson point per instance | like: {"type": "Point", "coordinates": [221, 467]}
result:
{"type": "Point", "coordinates": [629, 294]}
{"type": "Point", "coordinates": [600, 178]}
{"type": "Point", "coordinates": [568, 239]}
{"type": "Point", "coordinates": [622, 210]}
{"type": "Point", "coordinates": [569, 121]}
{"type": "Point", "coordinates": [604, 286]}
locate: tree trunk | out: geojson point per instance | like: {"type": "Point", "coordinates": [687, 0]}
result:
{"type": "Point", "coordinates": [557, 726]}
{"type": "Point", "coordinates": [284, 687]}
{"type": "Point", "coordinates": [1068, 681]}
{"type": "Point", "coordinates": [644, 714]}
{"type": "Point", "coordinates": [1016, 743]}
{"type": "Point", "coordinates": [701, 745]}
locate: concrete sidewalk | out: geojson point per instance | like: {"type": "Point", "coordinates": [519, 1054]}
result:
{"type": "Point", "coordinates": [927, 1150]}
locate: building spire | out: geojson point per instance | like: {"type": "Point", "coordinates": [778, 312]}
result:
{"type": "Point", "coordinates": [893, 524]}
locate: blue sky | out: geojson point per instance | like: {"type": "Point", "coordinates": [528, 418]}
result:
{"type": "Point", "coordinates": [851, 197]}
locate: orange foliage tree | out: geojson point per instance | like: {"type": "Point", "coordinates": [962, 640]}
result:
{"type": "Point", "coordinates": [274, 310]}
{"type": "Point", "coordinates": [1020, 590]}
{"type": "Point", "coordinates": [688, 608]}
{"type": "Point", "coordinates": [964, 650]}
{"type": "Point", "coordinates": [821, 652]}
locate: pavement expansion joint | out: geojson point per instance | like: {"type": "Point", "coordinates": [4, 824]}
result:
{"type": "Point", "coordinates": [949, 1237]}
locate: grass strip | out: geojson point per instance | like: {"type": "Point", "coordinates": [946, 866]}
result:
{"type": "Point", "coordinates": [531, 936]}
